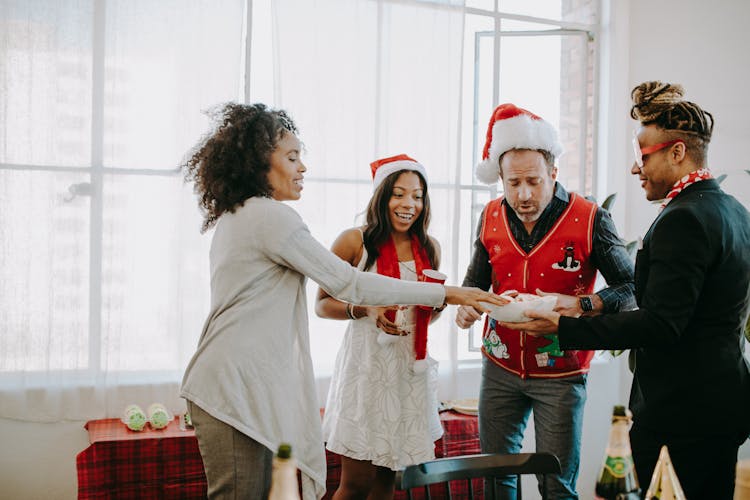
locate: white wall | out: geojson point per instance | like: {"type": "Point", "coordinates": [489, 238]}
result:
{"type": "Point", "coordinates": [699, 44]}
{"type": "Point", "coordinates": [703, 46]}
{"type": "Point", "coordinates": [37, 461]}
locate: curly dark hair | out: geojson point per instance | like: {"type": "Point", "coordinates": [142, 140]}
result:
{"type": "Point", "coordinates": [661, 104]}
{"type": "Point", "coordinates": [379, 227]}
{"type": "Point", "coordinates": [231, 164]}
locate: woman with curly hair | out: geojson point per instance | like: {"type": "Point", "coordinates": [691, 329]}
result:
{"type": "Point", "coordinates": [250, 385]}
{"type": "Point", "coordinates": [381, 413]}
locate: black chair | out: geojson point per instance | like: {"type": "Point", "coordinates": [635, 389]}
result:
{"type": "Point", "coordinates": [468, 467]}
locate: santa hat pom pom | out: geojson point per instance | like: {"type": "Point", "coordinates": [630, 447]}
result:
{"type": "Point", "coordinates": [488, 172]}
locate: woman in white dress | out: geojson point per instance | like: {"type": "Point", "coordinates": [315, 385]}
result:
{"type": "Point", "coordinates": [250, 384]}
{"type": "Point", "coordinates": [381, 413]}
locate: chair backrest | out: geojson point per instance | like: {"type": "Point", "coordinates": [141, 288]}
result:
{"type": "Point", "coordinates": [467, 467]}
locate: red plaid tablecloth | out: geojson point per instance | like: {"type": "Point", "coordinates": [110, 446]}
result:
{"type": "Point", "coordinates": [150, 464]}
{"type": "Point", "coordinates": [166, 464]}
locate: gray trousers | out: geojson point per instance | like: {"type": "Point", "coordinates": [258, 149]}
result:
{"type": "Point", "coordinates": [236, 465]}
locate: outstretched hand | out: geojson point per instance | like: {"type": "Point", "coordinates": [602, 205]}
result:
{"type": "Point", "coordinates": [542, 323]}
{"type": "Point", "coordinates": [567, 305]}
{"type": "Point", "coordinates": [472, 297]}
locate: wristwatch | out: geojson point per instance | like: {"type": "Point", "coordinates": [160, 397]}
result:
{"type": "Point", "coordinates": [586, 304]}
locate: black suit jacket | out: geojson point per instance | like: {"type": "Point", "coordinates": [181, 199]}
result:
{"type": "Point", "coordinates": [692, 285]}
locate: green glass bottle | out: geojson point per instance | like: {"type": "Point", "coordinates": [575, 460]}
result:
{"type": "Point", "coordinates": [284, 484]}
{"type": "Point", "coordinates": [617, 479]}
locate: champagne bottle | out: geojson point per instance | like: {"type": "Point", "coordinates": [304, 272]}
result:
{"type": "Point", "coordinates": [284, 485]}
{"type": "Point", "coordinates": [617, 479]}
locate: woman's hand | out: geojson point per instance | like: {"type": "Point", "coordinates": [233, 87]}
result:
{"type": "Point", "coordinates": [472, 297]}
{"type": "Point", "coordinates": [378, 315]}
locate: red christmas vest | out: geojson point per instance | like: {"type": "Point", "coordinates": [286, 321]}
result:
{"type": "Point", "coordinates": [559, 263]}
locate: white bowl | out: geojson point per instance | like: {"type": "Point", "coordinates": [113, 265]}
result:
{"type": "Point", "coordinates": [513, 312]}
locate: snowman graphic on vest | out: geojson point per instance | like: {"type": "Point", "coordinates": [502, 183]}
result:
{"type": "Point", "coordinates": [493, 344]}
{"type": "Point", "coordinates": [568, 262]}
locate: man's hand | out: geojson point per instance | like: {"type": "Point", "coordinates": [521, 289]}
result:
{"type": "Point", "coordinates": [567, 305]}
{"type": "Point", "coordinates": [570, 305]}
{"type": "Point", "coordinates": [466, 316]}
{"type": "Point", "coordinates": [542, 323]}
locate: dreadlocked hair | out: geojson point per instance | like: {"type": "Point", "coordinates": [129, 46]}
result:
{"type": "Point", "coordinates": [379, 227]}
{"type": "Point", "coordinates": [661, 104]}
{"type": "Point", "coordinates": [231, 164]}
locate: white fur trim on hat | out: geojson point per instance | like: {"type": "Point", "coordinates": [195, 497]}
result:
{"type": "Point", "coordinates": [387, 166]}
{"type": "Point", "coordinates": [514, 128]}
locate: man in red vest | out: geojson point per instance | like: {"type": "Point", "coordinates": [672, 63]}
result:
{"type": "Point", "coordinates": [538, 237]}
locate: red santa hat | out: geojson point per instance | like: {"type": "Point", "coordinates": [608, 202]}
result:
{"type": "Point", "coordinates": [512, 127]}
{"type": "Point", "coordinates": [386, 166]}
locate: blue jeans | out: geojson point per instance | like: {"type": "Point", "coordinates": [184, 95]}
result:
{"type": "Point", "coordinates": [505, 402]}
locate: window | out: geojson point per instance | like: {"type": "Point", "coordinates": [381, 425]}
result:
{"type": "Point", "coordinates": [539, 56]}
{"type": "Point", "coordinates": [103, 271]}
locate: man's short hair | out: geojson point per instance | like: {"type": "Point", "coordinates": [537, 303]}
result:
{"type": "Point", "coordinates": [549, 158]}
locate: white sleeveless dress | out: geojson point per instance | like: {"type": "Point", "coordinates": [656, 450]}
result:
{"type": "Point", "coordinates": [378, 408]}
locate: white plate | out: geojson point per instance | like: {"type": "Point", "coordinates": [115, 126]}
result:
{"type": "Point", "coordinates": [513, 312]}
{"type": "Point", "coordinates": [465, 406]}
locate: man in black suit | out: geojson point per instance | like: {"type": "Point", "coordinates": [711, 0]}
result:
{"type": "Point", "coordinates": [691, 384]}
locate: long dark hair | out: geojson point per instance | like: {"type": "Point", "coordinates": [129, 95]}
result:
{"type": "Point", "coordinates": [379, 226]}
{"type": "Point", "coordinates": [231, 164]}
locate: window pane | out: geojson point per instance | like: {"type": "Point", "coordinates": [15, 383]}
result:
{"type": "Point", "coordinates": [472, 202]}
{"type": "Point", "coordinates": [328, 208]}
{"type": "Point", "coordinates": [44, 277]}
{"type": "Point", "coordinates": [549, 9]}
{"type": "Point", "coordinates": [46, 72]}
{"type": "Point", "coordinates": [154, 273]}
{"type": "Point", "coordinates": [165, 62]}
{"type": "Point", "coordinates": [477, 94]}
{"type": "Point", "coordinates": [579, 11]}
{"type": "Point", "coordinates": [481, 4]}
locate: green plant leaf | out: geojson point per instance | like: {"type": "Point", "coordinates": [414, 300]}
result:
{"type": "Point", "coordinates": [609, 201]}
{"type": "Point", "coordinates": [720, 178]}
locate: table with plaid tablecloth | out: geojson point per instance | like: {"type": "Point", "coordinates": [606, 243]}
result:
{"type": "Point", "coordinates": [166, 463]}
{"type": "Point", "coordinates": [148, 464]}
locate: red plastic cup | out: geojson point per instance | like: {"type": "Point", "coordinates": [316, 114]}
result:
{"type": "Point", "coordinates": [432, 276]}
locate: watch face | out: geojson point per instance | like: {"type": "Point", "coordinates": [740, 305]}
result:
{"type": "Point", "coordinates": [586, 304]}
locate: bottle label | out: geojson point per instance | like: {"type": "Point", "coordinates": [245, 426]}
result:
{"type": "Point", "coordinates": [619, 466]}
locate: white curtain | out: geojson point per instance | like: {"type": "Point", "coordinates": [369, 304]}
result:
{"type": "Point", "coordinates": [367, 79]}
{"type": "Point", "coordinates": [103, 271]}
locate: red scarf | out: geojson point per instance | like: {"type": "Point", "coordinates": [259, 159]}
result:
{"type": "Point", "coordinates": [691, 178]}
{"type": "Point", "coordinates": [388, 266]}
